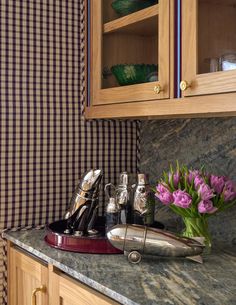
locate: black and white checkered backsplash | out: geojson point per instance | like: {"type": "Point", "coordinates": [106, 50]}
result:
{"type": "Point", "coordinates": [45, 143]}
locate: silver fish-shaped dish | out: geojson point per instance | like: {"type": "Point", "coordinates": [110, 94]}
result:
{"type": "Point", "coordinates": [136, 240]}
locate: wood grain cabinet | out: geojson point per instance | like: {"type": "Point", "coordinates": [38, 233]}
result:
{"type": "Point", "coordinates": [32, 282]}
{"type": "Point", "coordinates": [204, 68]}
{"type": "Point", "coordinates": [138, 38]}
{"type": "Point", "coordinates": [66, 291]}
{"type": "Point", "coordinates": [209, 46]}
{"type": "Point", "coordinates": [27, 279]}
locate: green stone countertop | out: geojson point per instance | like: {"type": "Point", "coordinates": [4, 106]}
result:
{"type": "Point", "coordinates": [155, 281]}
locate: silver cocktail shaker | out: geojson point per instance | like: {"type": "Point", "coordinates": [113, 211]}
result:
{"type": "Point", "coordinates": [136, 240]}
{"type": "Point", "coordinates": [122, 197]}
{"type": "Point", "coordinates": [112, 211]}
{"type": "Point", "coordinates": [143, 211]}
{"type": "Point", "coordinates": [83, 208]}
{"type": "Point", "coordinates": [112, 214]}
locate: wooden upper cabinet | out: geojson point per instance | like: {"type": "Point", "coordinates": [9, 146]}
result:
{"type": "Point", "coordinates": [208, 46]}
{"type": "Point", "coordinates": [142, 37]}
{"type": "Point", "coordinates": [27, 279]}
{"type": "Point", "coordinates": [206, 63]}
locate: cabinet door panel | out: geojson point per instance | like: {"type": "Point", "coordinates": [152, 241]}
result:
{"type": "Point", "coordinates": [144, 38]}
{"type": "Point", "coordinates": [209, 46]}
{"type": "Point", "coordinates": [25, 274]}
{"type": "Point", "coordinates": [66, 291]}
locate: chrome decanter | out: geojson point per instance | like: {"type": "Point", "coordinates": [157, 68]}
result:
{"type": "Point", "coordinates": [83, 208]}
{"type": "Point", "coordinates": [122, 197]}
{"type": "Point", "coordinates": [136, 240]}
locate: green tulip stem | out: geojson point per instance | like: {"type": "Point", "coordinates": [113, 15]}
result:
{"type": "Point", "coordinates": [197, 227]}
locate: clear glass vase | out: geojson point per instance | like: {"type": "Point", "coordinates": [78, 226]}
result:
{"type": "Point", "coordinates": [198, 227]}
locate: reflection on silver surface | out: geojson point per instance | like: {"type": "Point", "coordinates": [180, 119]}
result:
{"type": "Point", "coordinates": [228, 62]}
{"type": "Point", "coordinates": [152, 241]}
{"type": "Point", "coordinates": [122, 197]}
{"type": "Point", "coordinates": [88, 188]}
{"type": "Point", "coordinates": [122, 192]}
{"type": "Point", "coordinates": [141, 195]}
{"type": "Point", "coordinates": [82, 212]}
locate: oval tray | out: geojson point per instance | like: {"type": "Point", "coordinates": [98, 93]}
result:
{"type": "Point", "coordinates": [85, 244]}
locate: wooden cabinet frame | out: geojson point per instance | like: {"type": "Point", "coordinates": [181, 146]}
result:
{"type": "Point", "coordinates": [192, 106]}
{"type": "Point", "coordinates": [200, 84]}
{"type": "Point", "coordinates": [24, 275]}
{"type": "Point", "coordinates": [131, 93]}
{"type": "Point", "coordinates": [64, 290]}
{"type": "Point", "coordinates": [59, 288]}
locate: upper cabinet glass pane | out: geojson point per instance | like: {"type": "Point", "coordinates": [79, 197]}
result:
{"type": "Point", "coordinates": [130, 47]}
{"type": "Point", "coordinates": [113, 9]}
{"type": "Point", "coordinates": [216, 35]}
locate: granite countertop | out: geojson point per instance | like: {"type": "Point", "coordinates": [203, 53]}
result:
{"type": "Point", "coordinates": [155, 281]}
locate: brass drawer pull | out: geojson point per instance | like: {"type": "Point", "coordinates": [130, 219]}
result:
{"type": "Point", "coordinates": [34, 292]}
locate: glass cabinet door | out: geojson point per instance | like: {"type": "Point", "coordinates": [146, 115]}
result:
{"type": "Point", "coordinates": [208, 47]}
{"type": "Point", "coordinates": [129, 50]}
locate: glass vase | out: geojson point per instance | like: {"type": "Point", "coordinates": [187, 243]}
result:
{"type": "Point", "coordinates": [197, 227]}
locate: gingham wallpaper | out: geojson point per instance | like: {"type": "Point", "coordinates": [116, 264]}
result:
{"type": "Point", "coordinates": [45, 142]}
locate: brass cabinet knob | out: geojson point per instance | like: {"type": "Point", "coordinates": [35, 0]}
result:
{"type": "Point", "coordinates": [184, 85]}
{"type": "Point", "coordinates": [34, 292]}
{"type": "Point", "coordinates": [157, 89]}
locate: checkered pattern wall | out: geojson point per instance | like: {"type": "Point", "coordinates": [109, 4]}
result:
{"type": "Point", "coordinates": [3, 270]}
{"type": "Point", "coordinates": [45, 142]}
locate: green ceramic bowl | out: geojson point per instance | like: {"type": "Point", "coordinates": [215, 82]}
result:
{"type": "Point", "coordinates": [134, 74]}
{"type": "Point", "coordinates": [125, 7]}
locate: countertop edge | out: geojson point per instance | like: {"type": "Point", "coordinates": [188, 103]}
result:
{"type": "Point", "coordinates": [78, 276]}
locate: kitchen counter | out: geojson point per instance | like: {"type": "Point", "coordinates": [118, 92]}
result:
{"type": "Point", "coordinates": [155, 281]}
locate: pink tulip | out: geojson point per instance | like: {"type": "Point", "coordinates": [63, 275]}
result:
{"type": "Point", "coordinates": [182, 199]}
{"type": "Point", "coordinates": [163, 194]}
{"type": "Point", "coordinates": [198, 180]}
{"type": "Point", "coordinates": [206, 207]}
{"type": "Point", "coordinates": [205, 192]}
{"type": "Point", "coordinates": [217, 183]}
{"type": "Point", "coordinates": [192, 174]}
{"type": "Point", "coordinates": [229, 192]}
{"type": "Point", "coordinates": [175, 177]}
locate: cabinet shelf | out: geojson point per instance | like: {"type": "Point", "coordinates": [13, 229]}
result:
{"type": "Point", "coordinates": [143, 21]}
{"type": "Point", "coordinates": [138, 38]}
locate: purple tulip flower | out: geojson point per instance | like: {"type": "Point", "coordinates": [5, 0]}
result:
{"type": "Point", "coordinates": [175, 177]}
{"type": "Point", "coordinates": [217, 183]}
{"type": "Point", "coordinates": [192, 175]}
{"type": "Point", "coordinates": [198, 180]}
{"type": "Point", "coordinates": [205, 192]}
{"type": "Point", "coordinates": [206, 207]}
{"type": "Point", "coordinates": [229, 192]}
{"type": "Point", "coordinates": [182, 199]}
{"type": "Point", "coordinates": [164, 195]}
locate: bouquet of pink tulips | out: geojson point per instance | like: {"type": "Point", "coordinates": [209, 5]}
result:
{"type": "Point", "coordinates": [195, 195]}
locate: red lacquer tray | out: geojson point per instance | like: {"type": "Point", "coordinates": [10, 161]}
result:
{"type": "Point", "coordinates": [86, 244]}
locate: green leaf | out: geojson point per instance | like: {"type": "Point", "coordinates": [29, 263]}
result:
{"type": "Point", "coordinates": [171, 182]}
{"type": "Point", "coordinates": [166, 177]}
{"type": "Point", "coordinates": [177, 166]}
{"type": "Point", "coordinates": [202, 169]}
{"type": "Point", "coordinates": [153, 189]}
